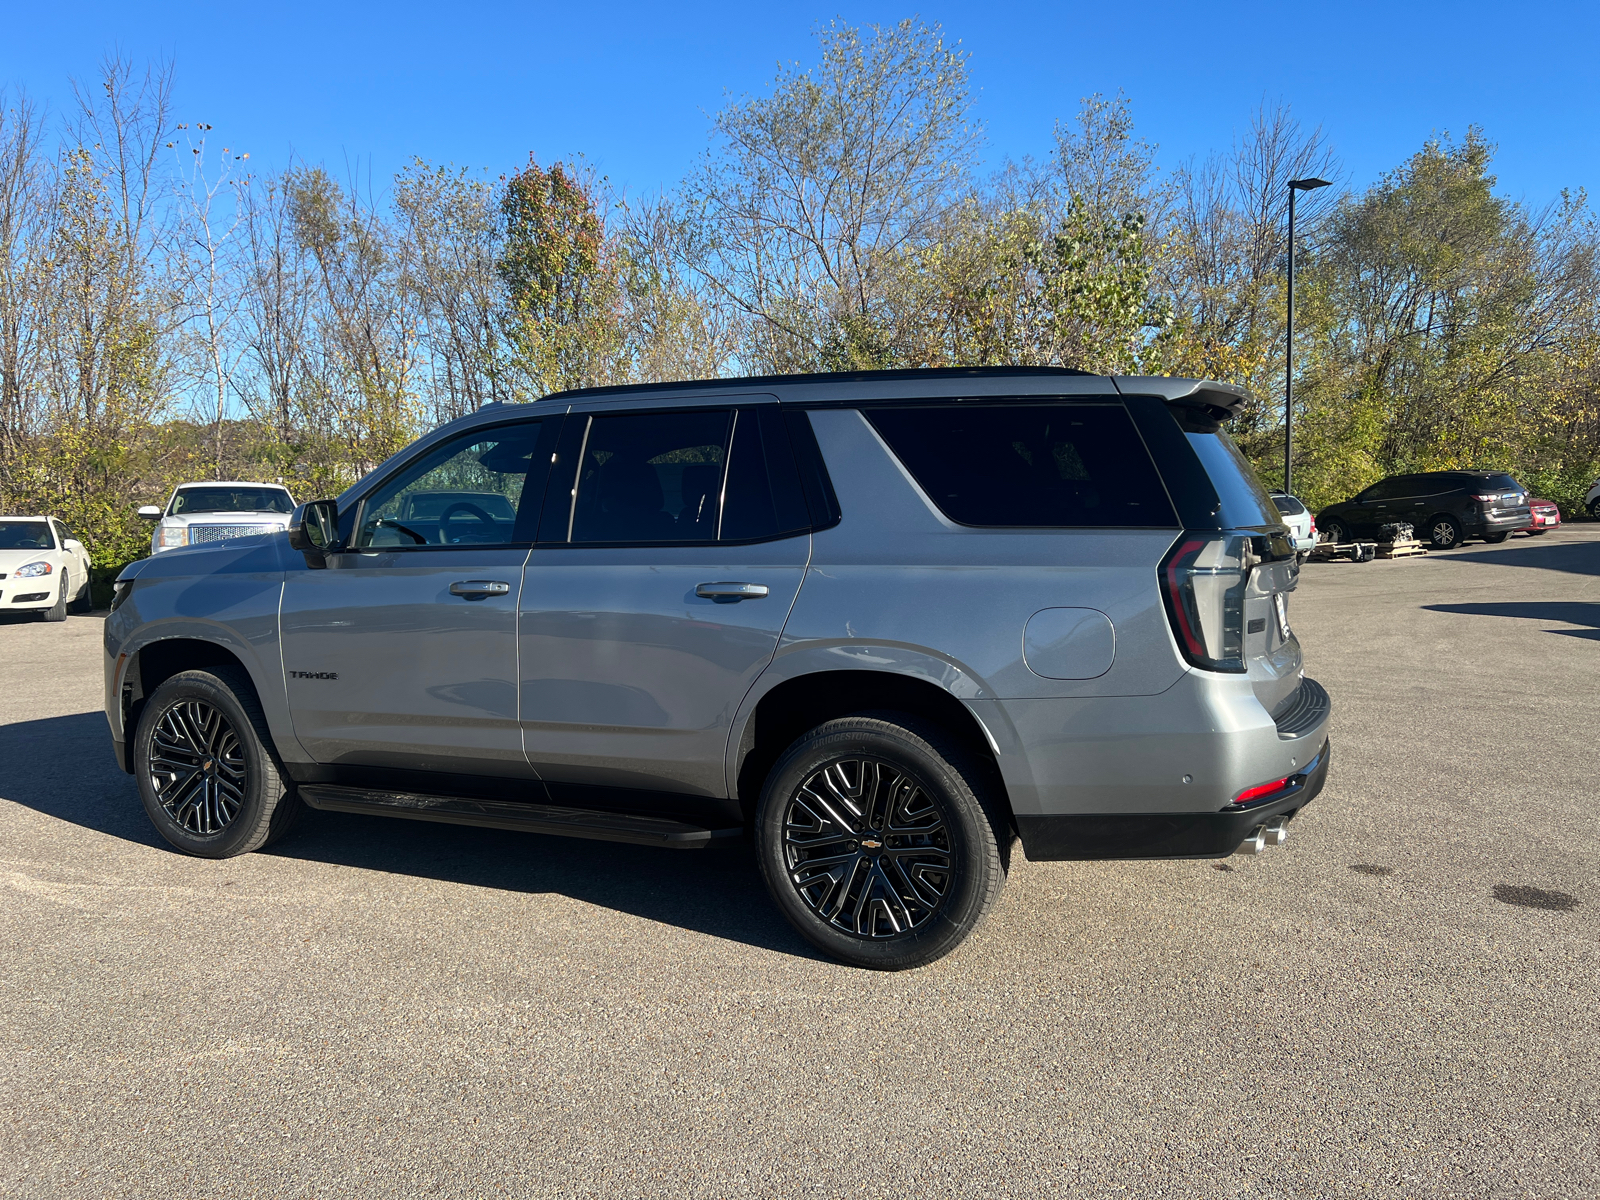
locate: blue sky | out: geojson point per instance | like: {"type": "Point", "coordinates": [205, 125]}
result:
{"type": "Point", "coordinates": [630, 85]}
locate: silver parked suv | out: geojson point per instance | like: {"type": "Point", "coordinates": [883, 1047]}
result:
{"type": "Point", "coordinates": [880, 624]}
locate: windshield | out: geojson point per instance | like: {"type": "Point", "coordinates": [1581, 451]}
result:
{"type": "Point", "coordinates": [230, 499]}
{"type": "Point", "coordinates": [26, 535]}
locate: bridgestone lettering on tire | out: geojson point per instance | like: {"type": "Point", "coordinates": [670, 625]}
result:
{"type": "Point", "coordinates": [206, 774]}
{"type": "Point", "coordinates": [877, 840]}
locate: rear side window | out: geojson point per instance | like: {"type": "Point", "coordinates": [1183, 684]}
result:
{"type": "Point", "coordinates": [1288, 505]}
{"type": "Point", "coordinates": [1245, 503]}
{"type": "Point", "coordinates": [687, 476]}
{"type": "Point", "coordinates": [1029, 465]}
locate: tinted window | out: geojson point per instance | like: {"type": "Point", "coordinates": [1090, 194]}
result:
{"type": "Point", "coordinates": [464, 492]}
{"type": "Point", "coordinates": [1287, 505]}
{"type": "Point", "coordinates": [25, 535]}
{"type": "Point", "coordinates": [1390, 489]}
{"type": "Point", "coordinates": [230, 499]}
{"type": "Point", "coordinates": [1503, 483]}
{"type": "Point", "coordinates": [764, 499]}
{"type": "Point", "coordinates": [652, 477]}
{"type": "Point", "coordinates": [1029, 465]}
{"type": "Point", "coordinates": [1245, 503]}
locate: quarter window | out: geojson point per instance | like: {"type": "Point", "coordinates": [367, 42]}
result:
{"type": "Point", "coordinates": [465, 492]}
{"type": "Point", "coordinates": [1029, 465]}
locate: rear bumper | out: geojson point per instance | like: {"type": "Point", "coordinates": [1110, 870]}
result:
{"type": "Point", "coordinates": [1099, 836]}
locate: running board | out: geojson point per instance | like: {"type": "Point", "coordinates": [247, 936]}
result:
{"type": "Point", "coordinates": [509, 814]}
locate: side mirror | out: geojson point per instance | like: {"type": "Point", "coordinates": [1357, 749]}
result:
{"type": "Point", "coordinates": [150, 512]}
{"type": "Point", "coordinates": [314, 528]}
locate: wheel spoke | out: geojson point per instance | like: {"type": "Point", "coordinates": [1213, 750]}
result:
{"type": "Point", "coordinates": [197, 767]}
{"type": "Point", "coordinates": [867, 848]}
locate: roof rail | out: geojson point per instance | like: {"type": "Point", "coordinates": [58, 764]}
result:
{"type": "Point", "coordinates": [745, 381]}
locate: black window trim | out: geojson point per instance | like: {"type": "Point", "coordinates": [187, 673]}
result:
{"type": "Point", "coordinates": [587, 417]}
{"type": "Point", "coordinates": [358, 509]}
{"type": "Point", "coordinates": [1099, 400]}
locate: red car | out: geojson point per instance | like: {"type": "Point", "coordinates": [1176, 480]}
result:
{"type": "Point", "coordinates": [1545, 516]}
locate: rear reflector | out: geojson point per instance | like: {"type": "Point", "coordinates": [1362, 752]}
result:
{"type": "Point", "coordinates": [1266, 789]}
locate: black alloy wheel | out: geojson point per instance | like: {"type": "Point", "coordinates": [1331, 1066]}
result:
{"type": "Point", "coordinates": [197, 767]}
{"type": "Point", "coordinates": [875, 843]}
{"type": "Point", "coordinates": [1337, 532]}
{"type": "Point", "coordinates": [206, 777]}
{"type": "Point", "coordinates": [868, 848]}
{"type": "Point", "coordinates": [1444, 533]}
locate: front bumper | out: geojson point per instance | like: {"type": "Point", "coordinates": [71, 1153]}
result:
{"type": "Point", "coordinates": [30, 595]}
{"type": "Point", "coordinates": [1098, 836]}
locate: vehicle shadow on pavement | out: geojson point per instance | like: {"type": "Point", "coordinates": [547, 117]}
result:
{"type": "Point", "coordinates": [1574, 558]}
{"type": "Point", "coordinates": [1568, 611]}
{"type": "Point", "coordinates": [63, 767]}
{"type": "Point", "coordinates": [715, 892]}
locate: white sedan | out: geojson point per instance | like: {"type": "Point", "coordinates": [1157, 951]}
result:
{"type": "Point", "coordinates": [43, 568]}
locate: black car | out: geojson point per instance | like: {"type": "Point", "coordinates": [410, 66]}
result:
{"type": "Point", "coordinates": [1444, 507]}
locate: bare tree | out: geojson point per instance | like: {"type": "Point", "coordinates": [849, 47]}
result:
{"type": "Point", "coordinates": [205, 267]}
{"type": "Point", "coordinates": [809, 211]}
{"type": "Point", "coordinates": [25, 205]}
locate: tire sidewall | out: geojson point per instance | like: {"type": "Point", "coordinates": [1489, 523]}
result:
{"type": "Point", "coordinates": [972, 835]}
{"type": "Point", "coordinates": [248, 828]}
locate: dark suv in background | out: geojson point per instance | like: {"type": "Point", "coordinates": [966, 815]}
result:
{"type": "Point", "coordinates": [1444, 507]}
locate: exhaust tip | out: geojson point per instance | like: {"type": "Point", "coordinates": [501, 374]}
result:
{"type": "Point", "coordinates": [1277, 833]}
{"type": "Point", "coordinates": [1255, 842]}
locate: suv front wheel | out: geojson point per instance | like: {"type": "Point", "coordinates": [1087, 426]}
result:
{"type": "Point", "coordinates": [877, 843]}
{"type": "Point", "coordinates": [205, 775]}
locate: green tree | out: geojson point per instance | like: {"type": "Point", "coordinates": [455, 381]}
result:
{"type": "Point", "coordinates": [563, 277]}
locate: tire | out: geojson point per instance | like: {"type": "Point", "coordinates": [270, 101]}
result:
{"type": "Point", "coordinates": [1594, 509]}
{"type": "Point", "coordinates": [58, 610]}
{"type": "Point", "coordinates": [210, 719]}
{"type": "Point", "coordinates": [1535, 532]}
{"type": "Point", "coordinates": [1338, 532]}
{"type": "Point", "coordinates": [1444, 532]}
{"type": "Point", "coordinates": [1494, 539]}
{"type": "Point", "coordinates": [951, 834]}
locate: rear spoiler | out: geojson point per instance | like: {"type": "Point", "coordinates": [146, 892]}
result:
{"type": "Point", "coordinates": [1219, 400]}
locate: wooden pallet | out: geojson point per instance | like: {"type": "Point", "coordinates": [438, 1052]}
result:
{"type": "Point", "coordinates": [1411, 549]}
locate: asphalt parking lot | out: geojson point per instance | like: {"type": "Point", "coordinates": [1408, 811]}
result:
{"type": "Point", "coordinates": [1401, 1001]}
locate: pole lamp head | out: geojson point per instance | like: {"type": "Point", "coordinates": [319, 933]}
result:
{"type": "Point", "coordinates": [1309, 184]}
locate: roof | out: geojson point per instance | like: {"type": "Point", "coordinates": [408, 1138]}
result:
{"type": "Point", "coordinates": [228, 483]}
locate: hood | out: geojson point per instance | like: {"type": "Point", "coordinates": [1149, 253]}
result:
{"type": "Point", "coordinates": [229, 518]}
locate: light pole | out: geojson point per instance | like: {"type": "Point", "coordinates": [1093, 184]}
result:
{"type": "Point", "coordinates": [1295, 185]}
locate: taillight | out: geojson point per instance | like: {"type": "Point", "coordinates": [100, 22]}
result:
{"type": "Point", "coordinates": [1266, 789]}
{"type": "Point", "coordinates": [1203, 581]}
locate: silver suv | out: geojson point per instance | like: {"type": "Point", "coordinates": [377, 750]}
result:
{"type": "Point", "coordinates": [878, 624]}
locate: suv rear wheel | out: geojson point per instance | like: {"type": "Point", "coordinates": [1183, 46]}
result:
{"type": "Point", "coordinates": [1494, 539]}
{"type": "Point", "coordinates": [205, 775]}
{"type": "Point", "coordinates": [877, 840]}
{"type": "Point", "coordinates": [1336, 532]}
{"type": "Point", "coordinates": [1443, 533]}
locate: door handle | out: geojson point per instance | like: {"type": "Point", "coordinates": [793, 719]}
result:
{"type": "Point", "coordinates": [478, 589]}
{"type": "Point", "coordinates": [729, 593]}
